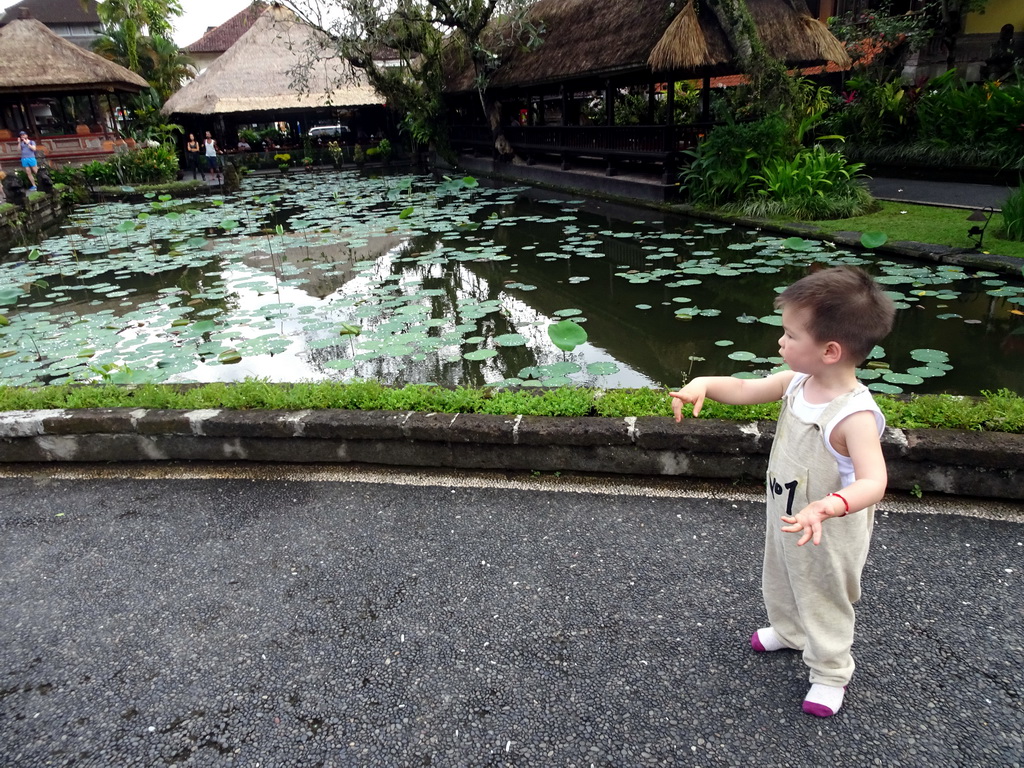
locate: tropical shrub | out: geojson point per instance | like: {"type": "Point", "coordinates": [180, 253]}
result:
{"type": "Point", "coordinates": [952, 112]}
{"type": "Point", "coordinates": [335, 151]}
{"type": "Point", "coordinates": [815, 184]}
{"type": "Point", "coordinates": [1013, 215]}
{"type": "Point", "coordinates": [725, 161]}
{"type": "Point", "coordinates": [873, 111]}
{"type": "Point", "coordinates": [99, 173]}
{"type": "Point", "coordinates": [148, 165]}
{"type": "Point", "coordinates": [942, 122]}
{"type": "Point", "coordinates": [66, 175]}
{"type": "Point", "coordinates": [252, 138]}
{"type": "Point", "coordinates": [633, 107]}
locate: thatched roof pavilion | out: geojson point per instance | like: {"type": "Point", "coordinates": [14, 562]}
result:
{"type": "Point", "coordinates": [257, 74]}
{"type": "Point", "coordinates": [593, 41]}
{"type": "Point", "coordinates": [58, 91]}
{"type": "Point", "coordinates": [33, 59]}
{"type": "Point", "coordinates": [543, 101]}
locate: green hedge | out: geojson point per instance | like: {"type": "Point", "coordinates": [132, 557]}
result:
{"type": "Point", "coordinates": [1001, 411]}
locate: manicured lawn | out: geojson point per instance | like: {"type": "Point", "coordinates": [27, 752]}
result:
{"type": "Point", "coordinates": [926, 224]}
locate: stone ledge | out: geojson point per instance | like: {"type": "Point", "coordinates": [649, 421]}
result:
{"type": "Point", "coordinates": [984, 464]}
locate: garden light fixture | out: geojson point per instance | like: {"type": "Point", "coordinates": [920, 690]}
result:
{"type": "Point", "coordinates": [985, 215]}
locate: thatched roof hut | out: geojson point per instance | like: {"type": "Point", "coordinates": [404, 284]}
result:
{"type": "Point", "coordinates": [34, 59]}
{"type": "Point", "coordinates": [258, 73]}
{"type": "Point", "coordinates": [592, 41]}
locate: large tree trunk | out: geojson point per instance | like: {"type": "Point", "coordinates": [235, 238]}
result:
{"type": "Point", "coordinates": [492, 109]}
{"type": "Point", "coordinates": [952, 22]}
{"type": "Point", "coordinates": [730, 15]}
{"type": "Point", "coordinates": [772, 86]}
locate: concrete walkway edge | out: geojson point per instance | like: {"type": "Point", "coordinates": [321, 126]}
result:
{"type": "Point", "coordinates": [980, 464]}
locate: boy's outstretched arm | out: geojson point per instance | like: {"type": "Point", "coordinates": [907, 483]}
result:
{"type": "Point", "coordinates": [729, 390]}
{"type": "Point", "coordinates": [858, 435]}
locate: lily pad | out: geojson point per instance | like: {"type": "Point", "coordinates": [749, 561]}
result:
{"type": "Point", "coordinates": [510, 340]}
{"type": "Point", "coordinates": [873, 240]}
{"type": "Point", "coordinates": [567, 335]}
{"type": "Point", "coordinates": [602, 369]}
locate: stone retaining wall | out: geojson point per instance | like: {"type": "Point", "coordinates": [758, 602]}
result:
{"type": "Point", "coordinates": [983, 464]}
{"type": "Point", "coordinates": [40, 213]}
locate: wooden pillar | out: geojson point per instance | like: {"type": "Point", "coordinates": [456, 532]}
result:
{"type": "Point", "coordinates": [705, 100]}
{"type": "Point", "coordinates": [609, 115]}
{"type": "Point", "coordinates": [565, 123]}
{"type": "Point", "coordinates": [652, 103]}
{"type": "Point", "coordinates": [670, 118]}
{"type": "Point", "coordinates": [30, 120]}
{"type": "Point", "coordinates": [668, 168]}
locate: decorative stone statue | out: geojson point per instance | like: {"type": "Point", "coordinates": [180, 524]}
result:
{"type": "Point", "coordinates": [1002, 55]}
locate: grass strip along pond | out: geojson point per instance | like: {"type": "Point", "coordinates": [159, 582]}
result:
{"type": "Point", "coordinates": [404, 279]}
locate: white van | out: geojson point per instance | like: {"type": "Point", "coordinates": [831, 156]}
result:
{"type": "Point", "coordinates": [330, 132]}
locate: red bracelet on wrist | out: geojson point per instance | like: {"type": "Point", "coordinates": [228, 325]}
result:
{"type": "Point", "coordinates": [846, 504]}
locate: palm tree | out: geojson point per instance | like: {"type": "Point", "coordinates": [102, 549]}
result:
{"type": "Point", "coordinates": [160, 61]}
{"type": "Point", "coordinates": [136, 18]}
{"type": "Point", "coordinates": [113, 44]}
{"type": "Point", "coordinates": [168, 66]}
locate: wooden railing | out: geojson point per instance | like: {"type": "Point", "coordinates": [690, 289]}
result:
{"type": "Point", "coordinates": [654, 142]}
{"type": "Point", "coordinates": [72, 149]}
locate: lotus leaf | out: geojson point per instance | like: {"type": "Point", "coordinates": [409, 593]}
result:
{"type": "Point", "coordinates": [567, 335]}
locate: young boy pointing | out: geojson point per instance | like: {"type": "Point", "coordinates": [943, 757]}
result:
{"type": "Point", "coordinates": [825, 473]}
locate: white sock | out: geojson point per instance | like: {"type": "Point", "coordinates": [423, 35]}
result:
{"type": "Point", "coordinates": [824, 700]}
{"type": "Point", "coordinates": [767, 639]}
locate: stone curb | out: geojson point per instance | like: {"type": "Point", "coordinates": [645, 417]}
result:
{"type": "Point", "coordinates": [982, 464]}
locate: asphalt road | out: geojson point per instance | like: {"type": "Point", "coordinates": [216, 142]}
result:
{"type": "Point", "coordinates": [946, 193]}
{"type": "Point", "coordinates": [344, 617]}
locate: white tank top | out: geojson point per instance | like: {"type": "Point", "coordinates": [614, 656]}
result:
{"type": "Point", "coordinates": [861, 401]}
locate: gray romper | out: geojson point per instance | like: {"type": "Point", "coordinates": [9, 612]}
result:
{"type": "Point", "coordinates": [809, 591]}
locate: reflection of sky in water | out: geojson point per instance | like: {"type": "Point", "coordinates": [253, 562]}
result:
{"type": "Point", "coordinates": [170, 296]}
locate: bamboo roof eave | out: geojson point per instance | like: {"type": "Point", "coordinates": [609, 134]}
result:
{"type": "Point", "coordinates": [72, 88]}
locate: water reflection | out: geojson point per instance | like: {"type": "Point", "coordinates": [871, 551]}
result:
{"type": "Point", "coordinates": [461, 291]}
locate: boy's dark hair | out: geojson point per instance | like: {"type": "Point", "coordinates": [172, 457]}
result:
{"type": "Point", "coordinates": [844, 304]}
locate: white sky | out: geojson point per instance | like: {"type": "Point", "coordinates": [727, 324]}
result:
{"type": "Point", "coordinates": [200, 14]}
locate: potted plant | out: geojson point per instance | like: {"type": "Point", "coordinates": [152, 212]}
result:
{"type": "Point", "coordinates": [308, 162]}
{"type": "Point", "coordinates": [384, 150]}
{"type": "Point", "coordinates": [336, 152]}
{"type": "Point", "coordinates": [283, 160]}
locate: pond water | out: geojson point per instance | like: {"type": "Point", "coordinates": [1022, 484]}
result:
{"type": "Point", "coordinates": [401, 279]}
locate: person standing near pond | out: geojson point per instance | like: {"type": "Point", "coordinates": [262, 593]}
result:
{"type": "Point", "coordinates": [825, 473]}
{"type": "Point", "coordinates": [28, 158]}
{"type": "Point", "coordinates": [192, 156]}
{"type": "Point", "coordinates": [210, 146]}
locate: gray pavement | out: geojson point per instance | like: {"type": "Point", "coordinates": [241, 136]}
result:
{"type": "Point", "coordinates": [945, 193]}
{"type": "Point", "coordinates": [271, 616]}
